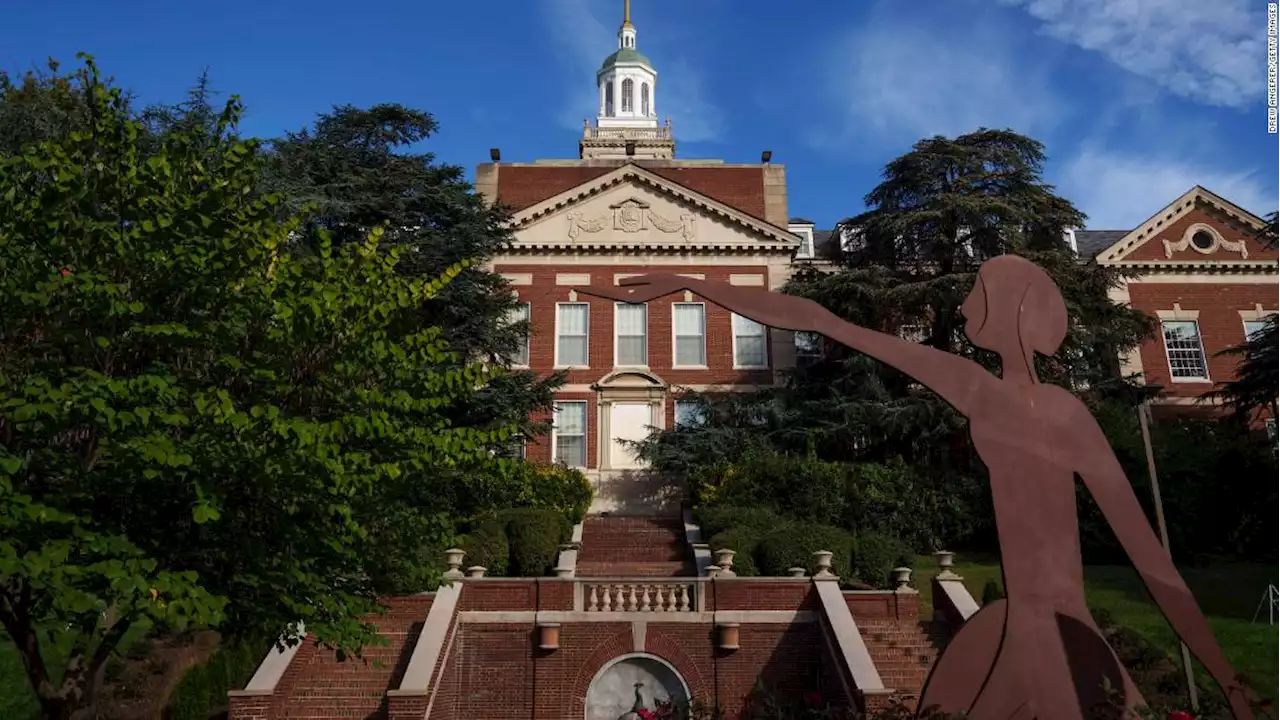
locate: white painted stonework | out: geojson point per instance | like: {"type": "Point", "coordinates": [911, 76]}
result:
{"type": "Point", "coordinates": [612, 693]}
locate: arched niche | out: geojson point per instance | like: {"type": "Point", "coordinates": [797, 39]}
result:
{"type": "Point", "coordinates": [612, 691]}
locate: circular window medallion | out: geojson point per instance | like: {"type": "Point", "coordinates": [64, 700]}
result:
{"type": "Point", "coordinates": [1202, 240]}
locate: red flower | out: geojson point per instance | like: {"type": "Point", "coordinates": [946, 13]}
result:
{"type": "Point", "coordinates": [66, 271]}
{"type": "Point", "coordinates": [646, 714]}
{"type": "Point", "coordinates": [813, 699]}
{"type": "Point", "coordinates": [1181, 715]}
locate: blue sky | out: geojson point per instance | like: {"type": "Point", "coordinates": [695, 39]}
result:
{"type": "Point", "coordinates": [1136, 100]}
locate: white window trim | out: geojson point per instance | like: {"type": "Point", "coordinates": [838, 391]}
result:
{"type": "Point", "coordinates": [805, 251]}
{"type": "Point", "coordinates": [1245, 324]}
{"type": "Point", "coordinates": [586, 430]}
{"type": "Point", "coordinates": [528, 333]}
{"type": "Point", "coordinates": [675, 365]}
{"type": "Point", "coordinates": [616, 336]}
{"type": "Point", "coordinates": [764, 335]}
{"type": "Point", "coordinates": [558, 365]}
{"type": "Point", "coordinates": [1169, 359]}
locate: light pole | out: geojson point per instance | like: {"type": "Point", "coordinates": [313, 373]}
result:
{"type": "Point", "coordinates": [1144, 415]}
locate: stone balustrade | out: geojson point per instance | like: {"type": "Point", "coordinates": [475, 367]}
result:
{"type": "Point", "coordinates": [649, 596]}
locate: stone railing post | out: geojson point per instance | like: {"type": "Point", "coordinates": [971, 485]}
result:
{"type": "Point", "coordinates": [952, 602]}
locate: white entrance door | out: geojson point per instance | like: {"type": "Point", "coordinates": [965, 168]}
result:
{"type": "Point", "coordinates": [628, 421]}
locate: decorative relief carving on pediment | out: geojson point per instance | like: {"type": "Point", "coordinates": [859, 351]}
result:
{"type": "Point", "coordinates": [683, 225]}
{"type": "Point", "coordinates": [632, 216]}
{"type": "Point", "coordinates": [1204, 240]}
{"type": "Point", "coordinates": [579, 224]}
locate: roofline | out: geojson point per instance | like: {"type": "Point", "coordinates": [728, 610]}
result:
{"type": "Point", "coordinates": [1176, 209]}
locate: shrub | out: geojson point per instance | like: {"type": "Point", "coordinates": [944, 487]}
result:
{"type": "Point", "coordinates": [516, 484]}
{"type": "Point", "coordinates": [793, 544]}
{"type": "Point", "coordinates": [534, 536]}
{"type": "Point", "coordinates": [719, 519]}
{"type": "Point", "coordinates": [893, 497]}
{"type": "Point", "coordinates": [875, 555]}
{"type": "Point", "coordinates": [743, 541]}
{"type": "Point", "coordinates": [991, 592]}
{"type": "Point", "coordinates": [204, 688]}
{"type": "Point", "coordinates": [487, 546]}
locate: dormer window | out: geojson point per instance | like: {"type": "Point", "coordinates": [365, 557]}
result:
{"type": "Point", "coordinates": [627, 87]}
{"type": "Point", "coordinates": [805, 250]}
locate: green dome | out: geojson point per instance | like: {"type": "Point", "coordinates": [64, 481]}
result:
{"type": "Point", "coordinates": [624, 55]}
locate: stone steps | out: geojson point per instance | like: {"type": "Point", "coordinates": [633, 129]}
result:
{"type": "Point", "coordinates": [634, 546]}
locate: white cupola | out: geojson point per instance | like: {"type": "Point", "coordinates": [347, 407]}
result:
{"type": "Point", "coordinates": [627, 116]}
{"type": "Point", "coordinates": [627, 82]}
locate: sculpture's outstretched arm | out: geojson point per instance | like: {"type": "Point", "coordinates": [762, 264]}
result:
{"type": "Point", "coordinates": [1106, 481]}
{"type": "Point", "coordinates": [957, 380]}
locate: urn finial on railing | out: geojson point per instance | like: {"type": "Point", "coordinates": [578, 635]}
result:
{"type": "Point", "coordinates": [946, 559]}
{"type": "Point", "coordinates": [476, 571]}
{"type": "Point", "coordinates": [901, 579]}
{"type": "Point", "coordinates": [822, 559]}
{"type": "Point", "coordinates": [724, 559]}
{"type": "Point", "coordinates": [797, 572]}
{"type": "Point", "coordinates": [453, 559]}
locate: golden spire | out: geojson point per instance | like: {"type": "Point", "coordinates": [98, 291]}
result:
{"type": "Point", "coordinates": [626, 13]}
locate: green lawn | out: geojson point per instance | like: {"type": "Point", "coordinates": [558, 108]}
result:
{"type": "Point", "coordinates": [1228, 594]}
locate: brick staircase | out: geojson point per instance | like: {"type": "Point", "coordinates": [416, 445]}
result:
{"type": "Point", "coordinates": [318, 687]}
{"type": "Point", "coordinates": [634, 546]}
{"type": "Point", "coordinates": [903, 654]}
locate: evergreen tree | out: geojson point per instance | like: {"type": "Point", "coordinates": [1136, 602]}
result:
{"type": "Point", "coordinates": [1257, 382]}
{"type": "Point", "coordinates": [358, 169]}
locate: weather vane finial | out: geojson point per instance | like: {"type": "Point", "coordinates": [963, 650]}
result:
{"type": "Point", "coordinates": [626, 12]}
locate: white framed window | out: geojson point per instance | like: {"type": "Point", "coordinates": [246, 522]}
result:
{"type": "Point", "coordinates": [630, 334]}
{"type": "Point", "coordinates": [1252, 327]}
{"type": "Point", "coordinates": [749, 349]}
{"type": "Point", "coordinates": [572, 323]}
{"type": "Point", "coordinates": [1183, 347]}
{"type": "Point", "coordinates": [809, 348]}
{"type": "Point", "coordinates": [520, 314]}
{"type": "Point", "coordinates": [627, 86]}
{"type": "Point", "coordinates": [569, 433]}
{"type": "Point", "coordinates": [805, 251]}
{"type": "Point", "coordinates": [689, 413]}
{"type": "Point", "coordinates": [689, 334]}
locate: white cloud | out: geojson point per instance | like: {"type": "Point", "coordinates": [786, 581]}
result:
{"type": "Point", "coordinates": [583, 38]}
{"type": "Point", "coordinates": [1209, 51]}
{"type": "Point", "coordinates": [1119, 190]}
{"type": "Point", "coordinates": [896, 78]}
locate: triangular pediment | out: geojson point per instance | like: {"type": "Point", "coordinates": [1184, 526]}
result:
{"type": "Point", "coordinates": [1198, 230]}
{"type": "Point", "coordinates": [632, 208]}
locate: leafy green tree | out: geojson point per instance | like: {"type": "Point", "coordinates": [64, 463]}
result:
{"type": "Point", "coordinates": [907, 265]}
{"type": "Point", "coordinates": [196, 424]}
{"type": "Point", "coordinates": [359, 168]}
{"type": "Point", "coordinates": [41, 105]}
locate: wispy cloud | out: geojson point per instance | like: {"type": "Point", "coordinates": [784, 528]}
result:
{"type": "Point", "coordinates": [896, 77]}
{"type": "Point", "coordinates": [1119, 190]}
{"type": "Point", "coordinates": [583, 36]}
{"type": "Point", "coordinates": [1208, 51]}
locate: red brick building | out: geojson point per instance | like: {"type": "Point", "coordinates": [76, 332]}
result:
{"type": "Point", "coordinates": [1203, 273]}
{"type": "Point", "coordinates": [636, 606]}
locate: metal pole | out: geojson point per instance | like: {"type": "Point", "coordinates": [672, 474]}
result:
{"type": "Point", "coordinates": [1144, 411]}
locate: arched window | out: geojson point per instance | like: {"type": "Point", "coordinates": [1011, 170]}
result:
{"type": "Point", "coordinates": [608, 99]}
{"type": "Point", "coordinates": [644, 99]}
{"type": "Point", "coordinates": [627, 93]}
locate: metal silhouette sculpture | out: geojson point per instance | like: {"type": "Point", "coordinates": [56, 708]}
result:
{"type": "Point", "coordinates": [1037, 653]}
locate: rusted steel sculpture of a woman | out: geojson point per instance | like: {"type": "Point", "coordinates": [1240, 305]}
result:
{"type": "Point", "coordinates": [1037, 653]}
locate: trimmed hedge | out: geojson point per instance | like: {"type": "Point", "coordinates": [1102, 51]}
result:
{"type": "Point", "coordinates": [743, 541]}
{"type": "Point", "coordinates": [793, 544]}
{"type": "Point", "coordinates": [487, 546]}
{"type": "Point", "coordinates": [875, 555]}
{"type": "Point", "coordinates": [716, 520]}
{"type": "Point", "coordinates": [534, 536]}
